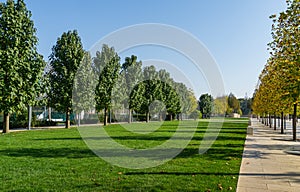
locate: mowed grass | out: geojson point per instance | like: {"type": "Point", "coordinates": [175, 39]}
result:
{"type": "Point", "coordinates": [59, 160]}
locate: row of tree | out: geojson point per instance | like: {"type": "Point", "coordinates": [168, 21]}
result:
{"type": "Point", "coordinates": [278, 90]}
{"type": "Point", "coordinates": [105, 84]}
{"type": "Point", "coordinates": [225, 105]}
{"type": "Point", "coordinates": [73, 80]}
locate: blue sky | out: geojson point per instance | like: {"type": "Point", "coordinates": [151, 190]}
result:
{"type": "Point", "coordinates": [236, 32]}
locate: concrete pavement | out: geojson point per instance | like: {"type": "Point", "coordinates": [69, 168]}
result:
{"type": "Point", "coordinates": [266, 165]}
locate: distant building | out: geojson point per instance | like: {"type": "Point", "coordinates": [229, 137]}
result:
{"type": "Point", "coordinates": [235, 115]}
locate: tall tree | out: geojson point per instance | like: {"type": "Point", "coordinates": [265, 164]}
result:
{"type": "Point", "coordinates": [132, 71]}
{"type": "Point", "coordinates": [220, 105]}
{"type": "Point", "coordinates": [65, 59]}
{"type": "Point", "coordinates": [152, 91]}
{"type": "Point", "coordinates": [172, 100]}
{"type": "Point", "coordinates": [21, 65]}
{"type": "Point", "coordinates": [278, 89]}
{"type": "Point", "coordinates": [233, 103]}
{"type": "Point", "coordinates": [206, 105]}
{"type": "Point", "coordinates": [192, 104]}
{"type": "Point", "coordinates": [110, 69]}
{"type": "Point", "coordinates": [84, 87]}
{"type": "Point", "coordinates": [102, 58]}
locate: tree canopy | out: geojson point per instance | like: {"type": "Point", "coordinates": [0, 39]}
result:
{"type": "Point", "coordinates": [65, 60]}
{"type": "Point", "coordinates": [206, 105]}
{"type": "Point", "coordinates": [109, 65]}
{"type": "Point", "coordinates": [21, 65]}
{"type": "Point", "coordinates": [279, 85]}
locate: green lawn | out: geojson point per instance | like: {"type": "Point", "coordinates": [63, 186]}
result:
{"type": "Point", "coordinates": [59, 160]}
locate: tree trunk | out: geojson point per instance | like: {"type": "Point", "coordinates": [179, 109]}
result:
{"type": "Point", "coordinates": [171, 117]}
{"type": "Point", "coordinates": [129, 115]}
{"type": "Point", "coordinates": [6, 123]}
{"type": "Point", "coordinates": [274, 121]}
{"type": "Point", "coordinates": [67, 119]}
{"type": "Point", "coordinates": [270, 121]}
{"type": "Point", "coordinates": [105, 117]}
{"type": "Point", "coordinates": [282, 123]}
{"type": "Point", "coordinates": [295, 123]}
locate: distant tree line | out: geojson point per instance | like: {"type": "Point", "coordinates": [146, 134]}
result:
{"type": "Point", "coordinates": [223, 106]}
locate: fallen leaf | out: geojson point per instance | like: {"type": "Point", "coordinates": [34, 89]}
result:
{"type": "Point", "coordinates": [220, 186]}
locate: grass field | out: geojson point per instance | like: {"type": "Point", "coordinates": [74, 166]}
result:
{"type": "Point", "coordinates": [59, 160]}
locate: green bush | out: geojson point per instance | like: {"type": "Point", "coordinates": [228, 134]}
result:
{"type": "Point", "coordinates": [140, 117]}
{"type": "Point", "coordinates": [45, 123]}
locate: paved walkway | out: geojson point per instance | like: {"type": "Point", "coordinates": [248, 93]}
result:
{"type": "Point", "coordinates": [266, 165]}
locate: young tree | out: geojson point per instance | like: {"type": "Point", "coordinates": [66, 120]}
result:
{"type": "Point", "coordinates": [107, 80]}
{"type": "Point", "coordinates": [21, 65]}
{"type": "Point", "coordinates": [193, 103]}
{"type": "Point", "coordinates": [65, 59]}
{"type": "Point", "coordinates": [206, 105]}
{"type": "Point", "coordinates": [84, 87]}
{"type": "Point", "coordinates": [132, 71]}
{"type": "Point", "coordinates": [172, 100]}
{"type": "Point", "coordinates": [152, 89]}
{"type": "Point", "coordinates": [233, 103]}
{"type": "Point", "coordinates": [220, 105]}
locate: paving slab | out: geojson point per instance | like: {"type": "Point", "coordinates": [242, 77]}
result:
{"type": "Point", "coordinates": [266, 163]}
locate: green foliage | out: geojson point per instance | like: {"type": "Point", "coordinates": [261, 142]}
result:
{"type": "Point", "coordinates": [131, 75]}
{"type": "Point", "coordinates": [221, 106]}
{"type": "Point", "coordinates": [157, 86]}
{"type": "Point", "coordinates": [21, 65]}
{"type": "Point", "coordinates": [279, 85]}
{"type": "Point", "coordinates": [106, 82]}
{"type": "Point", "coordinates": [102, 58]}
{"type": "Point", "coordinates": [107, 79]}
{"type": "Point", "coordinates": [233, 103]}
{"type": "Point", "coordinates": [65, 60]}
{"type": "Point", "coordinates": [192, 103]}
{"type": "Point", "coordinates": [45, 123]}
{"type": "Point", "coordinates": [84, 86]}
{"type": "Point", "coordinates": [206, 103]}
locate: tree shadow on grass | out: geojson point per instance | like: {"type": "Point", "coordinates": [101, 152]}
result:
{"type": "Point", "coordinates": [212, 153]}
{"type": "Point", "coordinates": [58, 139]}
{"type": "Point", "coordinates": [189, 152]}
{"type": "Point", "coordinates": [48, 152]}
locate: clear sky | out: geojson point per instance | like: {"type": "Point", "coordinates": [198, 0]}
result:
{"type": "Point", "coordinates": [236, 32]}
